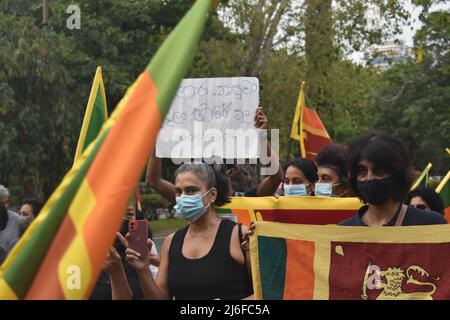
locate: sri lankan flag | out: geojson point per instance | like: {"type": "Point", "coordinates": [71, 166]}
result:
{"type": "Point", "coordinates": [61, 253]}
{"type": "Point", "coordinates": [307, 262]}
{"type": "Point", "coordinates": [301, 210]}
{"type": "Point", "coordinates": [422, 180]}
{"type": "Point", "coordinates": [95, 116]}
{"type": "Point", "coordinates": [444, 191]}
{"type": "Point", "coordinates": [308, 129]}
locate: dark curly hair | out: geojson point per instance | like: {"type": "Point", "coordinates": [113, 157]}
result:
{"type": "Point", "coordinates": [335, 156]}
{"type": "Point", "coordinates": [386, 153]}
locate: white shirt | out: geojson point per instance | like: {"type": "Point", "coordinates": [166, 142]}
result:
{"type": "Point", "coordinates": [154, 269]}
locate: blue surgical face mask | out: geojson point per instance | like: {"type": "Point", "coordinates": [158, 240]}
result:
{"type": "Point", "coordinates": [295, 190]}
{"type": "Point", "coordinates": [191, 207]}
{"type": "Point", "coordinates": [323, 189]}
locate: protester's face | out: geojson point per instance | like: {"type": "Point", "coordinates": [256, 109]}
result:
{"type": "Point", "coordinates": [187, 183]}
{"type": "Point", "coordinates": [367, 171]}
{"type": "Point", "coordinates": [130, 214]}
{"type": "Point", "coordinates": [294, 175]}
{"type": "Point", "coordinates": [327, 175]}
{"type": "Point", "coordinates": [330, 175]}
{"type": "Point", "coordinates": [5, 202]}
{"type": "Point", "coordinates": [26, 211]}
{"type": "Point", "coordinates": [418, 202]}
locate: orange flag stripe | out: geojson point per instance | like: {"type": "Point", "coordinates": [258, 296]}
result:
{"type": "Point", "coordinates": [299, 278]}
{"type": "Point", "coordinates": [50, 280]}
{"type": "Point", "coordinates": [140, 123]}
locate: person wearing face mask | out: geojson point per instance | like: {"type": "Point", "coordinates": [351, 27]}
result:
{"type": "Point", "coordinates": [332, 170]}
{"type": "Point", "coordinates": [299, 177]}
{"type": "Point", "coordinates": [205, 259]}
{"type": "Point", "coordinates": [381, 176]}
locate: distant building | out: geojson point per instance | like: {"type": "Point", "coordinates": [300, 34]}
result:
{"type": "Point", "coordinates": [388, 53]}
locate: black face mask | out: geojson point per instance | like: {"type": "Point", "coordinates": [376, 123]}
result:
{"type": "Point", "coordinates": [376, 191]}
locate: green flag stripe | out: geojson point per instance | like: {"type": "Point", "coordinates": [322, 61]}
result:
{"type": "Point", "coordinates": [97, 119]}
{"type": "Point", "coordinates": [272, 254]}
{"type": "Point", "coordinates": [23, 268]}
{"type": "Point", "coordinates": [175, 55]}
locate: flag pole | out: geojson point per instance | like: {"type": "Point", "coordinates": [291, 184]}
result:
{"type": "Point", "coordinates": [45, 13]}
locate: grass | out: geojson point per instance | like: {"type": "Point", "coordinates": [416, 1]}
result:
{"type": "Point", "coordinates": [158, 226]}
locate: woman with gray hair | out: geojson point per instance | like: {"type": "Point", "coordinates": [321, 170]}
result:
{"type": "Point", "coordinates": [205, 259]}
{"type": "Point", "coordinates": [4, 196]}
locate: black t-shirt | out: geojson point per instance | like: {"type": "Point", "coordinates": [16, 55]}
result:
{"type": "Point", "coordinates": [215, 275]}
{"type": "Point", "coordinates": [413, 217]}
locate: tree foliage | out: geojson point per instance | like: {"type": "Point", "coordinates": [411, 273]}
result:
{"type": "Point", "coordinates": [414, 99]}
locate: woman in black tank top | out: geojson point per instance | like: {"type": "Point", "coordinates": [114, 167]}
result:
{"type": "Point", "coordinates": [204, 260]}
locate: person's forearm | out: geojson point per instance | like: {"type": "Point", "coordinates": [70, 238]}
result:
{"type": "Point", "coordinates": [166, 189]}
{"type": "Point", "coordinates": [275, 159]}
{"type": "Point", "coordinates": [119, 285]}
{"type": "Point", "coordinates": [153, 173]}
{"type": "Point", "coordinates": [149, 288]}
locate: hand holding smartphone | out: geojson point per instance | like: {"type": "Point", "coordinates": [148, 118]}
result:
{"type": "Point", "coordinates": [138, 236]}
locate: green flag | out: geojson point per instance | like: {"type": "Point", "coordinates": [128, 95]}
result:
{"type": "Point", "coordinates": [95, 116]}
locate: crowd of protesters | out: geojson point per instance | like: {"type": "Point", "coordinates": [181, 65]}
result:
{"type": "Point", "coordinates": [209, 258]}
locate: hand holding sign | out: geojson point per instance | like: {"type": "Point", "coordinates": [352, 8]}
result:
{"type": "Point", "coordinates": [213, 117]}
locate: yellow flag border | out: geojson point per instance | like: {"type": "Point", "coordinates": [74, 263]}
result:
{"type": "Point", "coordinates": [422, 175]}
{"type": "Point", "coordinates": [443, 182]}
{"type": "Point", "coordinates": [293, 202]}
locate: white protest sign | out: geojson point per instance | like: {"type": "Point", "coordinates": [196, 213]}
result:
{"type": "Point", "coordinates": [211, 117]}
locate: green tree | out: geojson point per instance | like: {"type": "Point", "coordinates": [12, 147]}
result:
{"type": "Point", "coordinates": [46, 74]}
{"type": "Point", "coordinates": [413, 102]}
{"type": "Point", "coordinates": [36, 125]}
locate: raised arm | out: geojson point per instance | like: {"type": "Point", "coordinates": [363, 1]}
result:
{"type": "Point", "coordinates": [154, 180]}
{"type": "Point", "coordinates": [269, 184]}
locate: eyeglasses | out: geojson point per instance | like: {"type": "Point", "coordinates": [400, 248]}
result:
{"type": "Point", "coordinates": [420, 206]}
